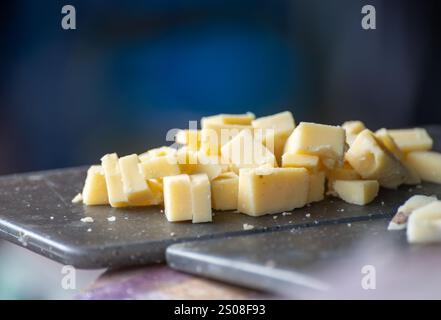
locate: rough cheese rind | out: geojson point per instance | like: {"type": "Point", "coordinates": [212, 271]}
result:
{"type": "Point", "coordinates": [358, 192]}
{"type": "Point", "coordinates": [95, 190]}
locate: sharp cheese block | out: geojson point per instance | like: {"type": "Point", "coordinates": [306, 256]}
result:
{"type": "Point", "coordinates": [374, 162]}
{"type": "Point", "coordinates": [326, 142]}
{"type": "Point", "coordinates": [95, 190]}
{"type": "Point", "coordinates": [112, 173]}
{"type": "Point", "coordinates": [424, 225]}
{"type": "Point", "coordinates": [153, 167]}
{"type": "Point", "coordinates": [316, 187]}
{"type": "Point", "coordinates": [178, 198]}
{"type": "Point", "coordinates": [282, 189]}
{"type": "Point", "coordinates": [416, 139]}
{"type": "Point", "coordinates": [293, 160]}
{"type": "Point", "coordinates": [135, 186]}
{"type": "Point", "coordinates": [189, 137]}
{"type": "Point", "coordinates": [358, 192]}
{"type": "Point", "coordinates": [224, 190]}
{"type": "Point", "coordinates": [427, 165]}
{"type": "Point", "coordinates": [277, 128]}
{"type": "Point", "coordinates": [201, 198]}
{"type": "Point", "coordinates": [352, 128]}
{"type": "Point", "coordinates": [243, 151]}
{"type": "Point", "coordinates": [399, 221]}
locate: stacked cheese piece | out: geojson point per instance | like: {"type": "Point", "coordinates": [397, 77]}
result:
{"type": "Point", "coordinates": [261, 166]}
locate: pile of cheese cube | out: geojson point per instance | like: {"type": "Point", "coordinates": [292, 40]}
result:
{"type": "Point", "coordinates": [262, 166]}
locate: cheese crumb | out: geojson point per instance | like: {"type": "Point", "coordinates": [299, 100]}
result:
{"type": "Point", "coordinates": [111, 219]}
{"type": "Point", "coordinates": [52, 218]}
{"type": "Point", "coordinates": [307, 215]}
{"type": "Point", "coordinates": [89, 230]}
{"type": "Point", "coordinates": [349, 225]}
{"type": "Point", "coordinates": [275, 217]}
{"type": "Point", "coordinates": [87, 219]}
{"type": "Point", "coordinates": [286, 213]}
{"type": "Point", "coordinates": [247, 226]}
{"type": "Point", "coordinates": [78, 198]}
{"type": "Point", "coordinates": [172, 234]}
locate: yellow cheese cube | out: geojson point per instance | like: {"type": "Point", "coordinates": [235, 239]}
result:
{"type": "Point", "coordinates": [326, 142]}
{"type": "Point", "coordinates": [358, 192]}
{"type": "Point", "coordinates": [241, 119]}
{"type": "Point", "coordinates": [277, 129]}
{"type": "Point", "coordinates": [282, 189]}
{"type": "Point", "coordinates": [316, 187]}
{"type": "Point", "coordinates": [372, 161]}
{"type": "Point", "coordinates": [112, 173]}
{"type": "Point", "coordinates": [424, 224]}
{"type": "Point", "coordinates": [243, 151]}
{"type": "Point", "coordinates": [344, 173]}
{"type": "Point", "coordinates": [157, 188]}
{"type": "Point", "coordinates": [189, 137]}
{"type": "Point", "coordinates": [224, 191]}
{"type": "Point", "coordinates": [177, 198]}
{"type": "Point", "coordinates": [427, 164]}
{"type": "Point", "coordinates": [300, 161]}
{"type": "Point", "coordinates": [134, 185]}
{"type": "Point", "coordinates": [201, 198]}
{"type": "Point", "coordinates": [416, 139]}
{"type": "Point", "coordinates": [352, 128]}
{"type": "Point", "coordinates": [158, 152]}
{"type": "Point", "coordinates": [389, 143]}
{"type": "Point", "coordinates": [160, 166]}
{"type": "Point", "coordinates": [215, 135]}
{"type": "Point", "coordinates": [95, 190]}
{"type": "Point", "coordinates": [192, 162]}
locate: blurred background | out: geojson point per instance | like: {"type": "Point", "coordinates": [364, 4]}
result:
{"type": "Point", "coordinates": [134, 69]}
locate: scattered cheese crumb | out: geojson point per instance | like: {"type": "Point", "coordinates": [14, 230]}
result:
{"type": "Point", "coordinates": [286, 213]}
{"type": "Point", "coordinates": [89, 230]}
{"type": "Point", "coordinates": [52, 218]}
{"type": "Point", "coordinates": [78, 198]}
{"type": "Point", "coordinates": [307, 215]}
{"type": "Point", "coordinates": [410, 190]}
{"type": "Point", "coordinates": [111, 219]}
{"type": "Point", "coordinates": [87, 219]}
{"type": "Point", "coordinates": [349, 224]}
{"type": "Point", "coordinates": [172, 234]}
{"type": "Point", "coordinates": [419, 186]}
{"type": "Point", "coordinates": [274, 217]}
{"type": "Point", "coordinates": [247, 226]}
{"type": "Point", "coordinates": [382, 203]}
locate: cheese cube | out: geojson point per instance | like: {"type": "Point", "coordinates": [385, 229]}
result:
{"type": "Point", "coordinates": [112, 173]}
{"type": "Point", "coordinates": [157, 189]}
{"type": "Point", "coordinates": [153, 167]}
{"type": "Point", "coordinates": [352, 128]}
{"type": "Point", "coordinates": [241, 119]}
{"type": "Point", "coordinates": [201, 198]}
{"type": "Point", "coordinates": [178, 198]}
{"type": "Point", "coordinates": [300, 161]}
{"type": "Point", "coordinates": [399, 221]}
{"type": "Point", "coordinates": [344, 173]}
{"type": "Point", "coordinates": [224, 191]}
{"type": "Point", "coordinates": [134, 185]}
{"type": "Point", "coordinates": [424, 225]}
{"type": "Point", "coordinates": [416, 139]}
{"type": "Point", "coordinates": [358, 192]}
{"type": "Point", "coordinates": [326, 142]}
{"type": "Point", "coordinates": [243, 151]}
{"type": "Point", "coordinates": [277, 129]}
{"type": "Point", "coordinates": [316, 187]}
{"type": "Point", "coordinates": [189, 137]}
{"type": "Point", "coordinates": [95, 190]}
{"type": "Point", "coordinates": [158, 152]}
{"type": "Point", "coordinates": [389, 143]}
{"type": "Point", "coordinates": [427, 164]}
{"type": "Point", "coordinates": [282, 189]}
{"type": "Point", "coordinates": [372, 161]}
{"type": "Point", "coordinates": [215, 135]}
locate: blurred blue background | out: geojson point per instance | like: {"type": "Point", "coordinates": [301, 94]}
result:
{"type": "Point", "coordinates": [134, 69]}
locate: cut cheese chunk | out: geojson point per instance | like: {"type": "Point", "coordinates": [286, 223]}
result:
{"type": "Point", "coordinates": [192, 162]}
{"type": "Point", "coordinates": [344, 173]}
{"type": "Point", "coordinates": [134, 185]}
{"type": "Point", "coordinates": [189, 137]}
{"type": "Point", "coordinates": [153, 167]}
{"type": "Point", "coordinates": [201, 198]}
{"type": "Point", "coordinates": [427, 165]}
{"type": "Point", "coordinates": [95, 190]}
{"type": "Point", "coordinates": [240, 119]}
{"type": "Point", "coordinates": [372, 161]}
{"type": "Point", "coordinates": [424, 224]}
{"type": "Point", "coordinates": [178, 198]}
{"type": "Point", "coordinates": [399, 221]}
{"type": "Point", "coordinates": [158, 152]}
{"type": "Point", "coordinates": [294, 160]}
{"type": "Point", "coordinates": [358, 192]}
{"type": "Point", "coordinates": [112, 173]}
{"type": "Point", "coordinates": [277, 128]}
{"type": "Point", "coordinates": [326, 142]}
{"type": "Point", "coordinates": [316, 187]}
{"type": "Point", "coordinates": [282, 189]}
{"type": "Point", "coordinates": [389, 143]}
{"type": "Point", "coordinates": [243, 151]}
{"type": "Point", "coordinates": [224, 191]}
{"type": "Point", "coordinates": [157, 188]}
{"type": "Point", "coordinates": [416, 139]}
{"type": "Point", "coordinates": [352, 128]}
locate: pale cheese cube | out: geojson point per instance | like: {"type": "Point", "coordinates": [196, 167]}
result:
{"type": "Point", "coordinates": [374, 162]}
{"type": "Point", "coordinates": [112, 173]}
{"type": "Point", "coordinates": [178, 198]}
{"type": "Point", "coordinates": [282, 189]}
{"type": "Point", "coordinates": [224, 190]}
{"type": "Point", "coordinates": [324, 141]}
{"type": "Point", "coordinates": [316, 186]}
{"type": "Point", "coordinates": [295, 160]}
{"type": "Point", "coordinates": [240, 119]}
{"type": "Point", "coordinates": [416, 139]}
{"type": "Point", "coordinates": [424, 225]}
{"type": "Point", "coordinates": [201, 198]}
{"type": "Point", "coordinates": [153, 167]}
{"type": "Point", "coordinates": [95, 190]}
{"type": "Point", "coordinates": [358, 192]}
{"type": "Point", "coordinates": [189, 137]}
{"type": "Point", "coordinates": [157, 188]}
{"type": "Point", "coordinates": [427, 165]}
{"type": "Point", "coordinates": [352, 128]}
{"type": "Point", "coordinates": [399, 221]}
{"type": "Point", "coordinates": [158, 152]}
